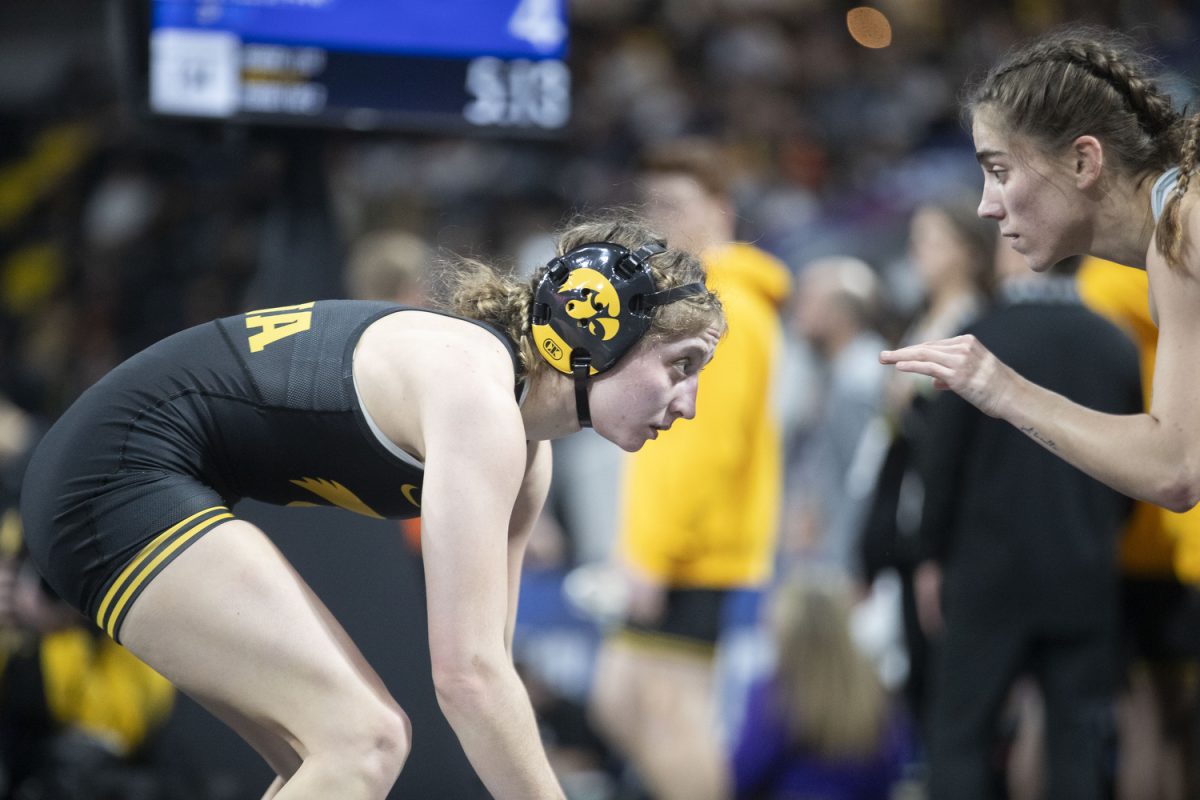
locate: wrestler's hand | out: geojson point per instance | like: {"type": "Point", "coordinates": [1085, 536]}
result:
{"type": "Point", "coordinates": [962, 365]}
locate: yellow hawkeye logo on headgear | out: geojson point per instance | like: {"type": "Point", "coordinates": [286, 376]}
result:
{"type": "Point", "coordinates": [599, 306]}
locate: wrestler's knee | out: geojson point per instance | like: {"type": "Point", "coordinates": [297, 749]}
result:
{"type": "Point", "coordinates": [374, 744]}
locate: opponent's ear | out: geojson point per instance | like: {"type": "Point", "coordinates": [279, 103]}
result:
{"type": "Point", "coordinates": [1087, 156]}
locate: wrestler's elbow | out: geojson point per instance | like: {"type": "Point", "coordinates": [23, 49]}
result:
{"type": "Point", "coordinates": [463, 682]}
{"type": "Point", "coordinates": [1179, 491]}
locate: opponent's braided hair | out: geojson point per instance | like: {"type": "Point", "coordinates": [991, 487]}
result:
{"type": "Point", "coordinates": [1084, 80]}
{"type": "Point", "coordinates": [1170, 226]}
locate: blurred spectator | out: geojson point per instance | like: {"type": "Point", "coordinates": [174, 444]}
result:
{"type": "Point", "coordinates": [1019, 550]}
{"type": "Point", "coordinates": [836, 308]}
{"type": "Point", "coordinates": [700, 505]}
{"type": "Point", "coordinates": [389, 265]}
{"type": "Point", "coordinates": [1159, 701]}
{"type": "Point", "coordinates": [820, 724]}
{"type": "Point", "coordinates": [78, 713]}
{"type": "Point", "coordinates": [952, 252]}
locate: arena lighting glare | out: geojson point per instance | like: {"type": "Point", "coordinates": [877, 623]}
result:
{"type": "Point", "coordinates": [869, 27]}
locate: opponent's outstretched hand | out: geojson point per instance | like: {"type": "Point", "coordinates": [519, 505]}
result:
{"type": "Point", "coordinates": [962, 365]}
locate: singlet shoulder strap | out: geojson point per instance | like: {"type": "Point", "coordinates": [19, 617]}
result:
{"type": "Point", "coordinates": [522, 385]}
{"type": "Point", "coordinates": [1162, 188]}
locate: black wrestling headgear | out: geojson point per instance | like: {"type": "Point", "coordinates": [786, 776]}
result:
{"type": "Point", "coordinates": [592, 306]}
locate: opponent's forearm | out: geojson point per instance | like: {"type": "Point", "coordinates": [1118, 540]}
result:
{"type": "Point", "coordinates": [1136, 454]}
{"type": "Point", "coordinates": [489, 709]}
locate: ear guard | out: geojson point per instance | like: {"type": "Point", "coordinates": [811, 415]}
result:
{"type": "Point", "coordinates": [592, 306]}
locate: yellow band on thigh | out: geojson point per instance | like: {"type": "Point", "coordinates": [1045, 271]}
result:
{"type": "Point", "coordinates": [142, 568]}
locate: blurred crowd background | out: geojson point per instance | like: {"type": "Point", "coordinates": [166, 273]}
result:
{"type": "Point", "coordinates": [118, 227]}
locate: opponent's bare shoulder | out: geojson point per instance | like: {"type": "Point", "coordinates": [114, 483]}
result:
{"type": "Point", "coordinates": [414, 366]}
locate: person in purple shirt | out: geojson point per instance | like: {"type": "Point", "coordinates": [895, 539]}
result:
{"type": "Point", "coordinates": [820, 725]}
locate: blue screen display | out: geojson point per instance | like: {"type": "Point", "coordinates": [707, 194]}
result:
{"type": "Point", "coordinates": [428, 64]}
{"type": "Point", "coordinates": [449, 28]}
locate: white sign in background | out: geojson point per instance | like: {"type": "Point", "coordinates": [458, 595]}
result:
{"type": "Point", "coordinates": [195, 72]}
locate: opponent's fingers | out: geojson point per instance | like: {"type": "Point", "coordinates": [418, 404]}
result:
{"type": "Point", "coordinates": [938, 348]}
{"type": "Point", "coordinates": [932, 369]}
{"type": "Point", "coordinates": [915, 352]}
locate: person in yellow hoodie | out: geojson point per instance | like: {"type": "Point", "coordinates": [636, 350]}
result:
{"type": "Point", "coordinates": [1160, 564]}
{"type": "Point", "coordinates": [699, 507]}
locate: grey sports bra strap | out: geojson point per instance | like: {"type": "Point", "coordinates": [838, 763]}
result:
{"type": "Point", "coordinates": [1161, 189]}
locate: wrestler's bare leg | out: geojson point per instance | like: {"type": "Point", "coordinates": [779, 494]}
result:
{"type": "Point", "coordinates": [233, 625]}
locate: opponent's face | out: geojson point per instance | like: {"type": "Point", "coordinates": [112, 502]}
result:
{"type": "Point", "coordinates": [650, 388]}
{"type": "Point", "coordinates": [1031, 196]}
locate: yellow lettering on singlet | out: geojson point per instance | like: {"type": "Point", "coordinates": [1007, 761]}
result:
{"type": "Point", "coordinates": [277, 323]}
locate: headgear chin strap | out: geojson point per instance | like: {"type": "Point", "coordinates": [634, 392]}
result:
{"type": "Point", "coordinates": [580, 366]}
{"type": "Point", "coordinates": [592, 305]}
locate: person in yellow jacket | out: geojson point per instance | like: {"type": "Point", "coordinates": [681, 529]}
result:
{"type": "Point", "coordinates": [1160, 564]}
{"type": "Point", "coordinates": [60, 678]}
{"type": "Point", "coordinates": [699, 507]}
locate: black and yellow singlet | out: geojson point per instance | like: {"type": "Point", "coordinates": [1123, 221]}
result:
{"type": "Point", "coordinates": [260, 405]}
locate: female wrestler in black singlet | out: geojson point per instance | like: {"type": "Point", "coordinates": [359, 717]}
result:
{"type": "Point", "coordinates": [383, 410]}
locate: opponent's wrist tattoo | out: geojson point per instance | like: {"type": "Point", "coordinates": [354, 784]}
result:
{"type": "Point", "coordinates": [1037, 436]}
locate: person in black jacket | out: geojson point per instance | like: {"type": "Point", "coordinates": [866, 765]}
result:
{"type": "Point", "coordinates": [1019, 572]}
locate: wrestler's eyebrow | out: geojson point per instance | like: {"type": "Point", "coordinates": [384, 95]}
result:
{"type": "Point", "coordinates": [701, 354]}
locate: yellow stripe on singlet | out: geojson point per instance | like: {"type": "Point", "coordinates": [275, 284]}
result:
{"type": "Point", "coordinates": [123, 581]}
{"type": "Point", "coordinates": [664, 642]}
{"type": "Point", "coordinates": [135, 584]}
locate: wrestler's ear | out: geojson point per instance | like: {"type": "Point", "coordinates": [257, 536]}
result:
{"type": "Point", "coordinates": [1087, 159]}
